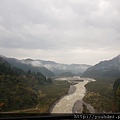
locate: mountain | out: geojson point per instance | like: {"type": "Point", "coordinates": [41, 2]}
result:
{"type": "Point", "coordinates": [66, 74]}
{"type": "Point", "coordinates": [47, 68]}
{"type": "Point", "coordinates": [58, 68]}
{"type": "Point", "coordinates": [105, 69]}
{"type": "Point", "coordinates": [6, 68]}
{"type": "Point", "coordinates": [19, 89]}
{"type": "Point", "coordinates": [29, 64]}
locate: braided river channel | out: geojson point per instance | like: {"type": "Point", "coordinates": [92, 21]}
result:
{"type": "Point", "coordinates": [72, 102]}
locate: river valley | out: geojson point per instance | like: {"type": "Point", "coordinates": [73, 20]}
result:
{"type": "Point", "coordinates": [72, 102]}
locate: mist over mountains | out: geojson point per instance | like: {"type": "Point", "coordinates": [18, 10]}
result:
{"type": "Point", "coordinates": [104, 69]}
{"type": "Point", "coordinates": [58, 68]}
{"type": "Point", "coordinates": [48, 68]}
{"type": "Point", "coordinates": [25, 66]}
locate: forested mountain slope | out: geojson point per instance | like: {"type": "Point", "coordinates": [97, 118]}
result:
{"type": "Point", "coordinates": [105, 69]}
{"type": "Point", "coordinates": [19, 89]}
{"type": "Point", "coordinates": [26, 65]}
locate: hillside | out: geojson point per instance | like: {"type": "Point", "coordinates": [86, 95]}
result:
{"type": "Point", "coordinates": [47, 68]}
{"type": "Point", "coordinates": [66, 74]}
{"type": "Point", "coordinates": [29, 64]}
{"type": "Point", "coordinates": [29, 92]}
{"type": "Point", "coordinates": [116, 91]}
{"type": "Point", "coordinates": [18, 89]}
{"type": "Point", "coordinates": [105, 69]}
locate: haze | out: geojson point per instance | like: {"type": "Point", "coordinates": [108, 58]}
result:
{"type": "Point", "coordinates": [65, 31]}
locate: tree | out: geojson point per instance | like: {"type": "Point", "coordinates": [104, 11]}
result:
{"type": "Point", "coordinates": [49, 80]}
{"type": "Point", "coordinates": [29, 72]}
{"type": "Point", "coordinates": [116, 90]}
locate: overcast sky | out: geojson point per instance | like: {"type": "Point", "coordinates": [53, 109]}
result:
{"type": "Point", "coordinates": [66, 31]}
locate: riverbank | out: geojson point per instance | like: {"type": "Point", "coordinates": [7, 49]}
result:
{"type": "Point", "coordinates": [99, 95]}
{"type": "Point", "coordinates": [71, 91]}
{"type": "Point", "coordinates": [47, 96]}
{"type": "Point", "coordinates": [57, 100]}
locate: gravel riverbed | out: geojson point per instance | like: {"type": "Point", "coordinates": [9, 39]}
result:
{"type": "Point", "coordinates": [72, 102]}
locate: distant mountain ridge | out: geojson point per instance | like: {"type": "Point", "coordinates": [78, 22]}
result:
{"type": "Point", "coordinates": [105, 69]}
{"type": "Point", "coordinates": [47, 68]}
{"type": "Point", "coordinates": [58, 68]}
{"type": "Point", "coordinates": [66, 74]}
{"type": "Point", "coordinates": [27, 66]}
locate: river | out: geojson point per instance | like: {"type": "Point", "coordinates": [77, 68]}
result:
{"type": "Point", "coordinates": [72, 103]}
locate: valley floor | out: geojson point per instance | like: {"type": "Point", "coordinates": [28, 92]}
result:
{"type": "Point", "coordinates": [100, 95]}
{"type": "Point", "coordinates": [72, 103]}
{"type": "Point", "coordinates": [49, 94]}
{"type": "Point", "coordinates": [65, 96]}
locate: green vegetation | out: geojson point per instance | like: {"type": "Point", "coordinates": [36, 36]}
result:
{"type": "Point", "coordinates": [107, 73]}
{"type": "Point", "coordinates": [85, 110]}
{"type": "Point", "coordinates": [27, 91]}
{"type": "Point", "coordinates": [19, 92]}
{"type": "Point", "coordinates": [46, 97]}
{"type": "Point", "coordinates": [16, 63]}
{"type": "Point", "coordinates": [100, 95]}
{"type": "Point", "coordinates": [66, 74]}
{"type": "Point", "coordinates": [50, 93]}
{"type": "Point", "coordinates": [116, 89]}
{"type": "Point", "coordinates": [14, 91]}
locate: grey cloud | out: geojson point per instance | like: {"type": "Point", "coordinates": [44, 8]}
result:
{"type": "Point", "coordinates": [60, 25]}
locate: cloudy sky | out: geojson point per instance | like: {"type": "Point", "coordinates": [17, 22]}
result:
{"type": "Point", "coordinates": [66, 31]}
